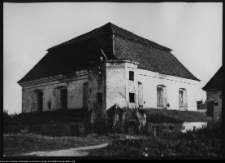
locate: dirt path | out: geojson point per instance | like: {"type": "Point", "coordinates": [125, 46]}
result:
{"type": "Point", "coordinates": [80, 151]}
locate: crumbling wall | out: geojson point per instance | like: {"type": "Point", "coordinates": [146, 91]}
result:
{"type": "Point", "coordinates": [97, 95]}
{"type": "Point", "coordinates": [116, 85]}
{"type": "Point", "coordinates": [119, 120]}
{"type": "Point", "coordinates": [163, 127]}
{"type": "Point", "coordinates": [51, 94]}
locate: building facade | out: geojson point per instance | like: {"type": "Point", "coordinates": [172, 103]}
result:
{"type": "Point", "coordinates": [108, 67]}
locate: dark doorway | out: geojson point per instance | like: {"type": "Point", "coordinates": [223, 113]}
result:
{"type": "Point", "coordinates": [99, 98]}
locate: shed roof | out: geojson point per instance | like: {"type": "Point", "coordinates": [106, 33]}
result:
{"type": "Point", "coordinates": [116, 43]}
{"type": "Point", "coordinates": [174, 116]}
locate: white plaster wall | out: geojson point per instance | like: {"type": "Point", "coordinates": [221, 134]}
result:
{"type": "Point", "coordinates": [132, 86]}
{"type": "Point", "coordinates": [190, 125]}
{"type": "Point", "coordinates": [151, 80]}
{"type": "Point", "coordinates": [74, 90]}
{"type": "Point", "coordinates": [116, 85]}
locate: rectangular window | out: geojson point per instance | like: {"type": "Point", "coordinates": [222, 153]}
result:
{"type": "Point", "coordinates": [63, 98]}
{"type": "Point", "coordinates": [131, 75]}
{"type": "Point", "coordinates": [99, 97]}
{"type": "Point", "coordinates": [131, 97]}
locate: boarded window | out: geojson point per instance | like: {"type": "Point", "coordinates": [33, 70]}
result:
{"type": "Point", "coordinates": [131, 97]}
{"type": "Point", "coordinates": [99, 97]}
{"type": "Point", "coordinates": [131, 75]}
{"type": "Point", "coordinates": [183, 99]}
{"type": "Point", "coordinates": [140, 94]}
{"type": "Point", "coordinates": [63, 98]}
{"type": "Point", "coordinates": [161, 96]}
{"type": "Point", "coordinates": [85, 94]}
{"type": "Point", "coordinates": [39, 101]}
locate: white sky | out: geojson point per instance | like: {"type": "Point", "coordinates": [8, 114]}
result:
{"type": "Point", "coordinates": [192, 30]}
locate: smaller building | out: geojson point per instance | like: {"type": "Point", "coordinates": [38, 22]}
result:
{"type": "Point", "coordinates": [214, 97]}
{"type": "Point", "coordinates": [160, 120]}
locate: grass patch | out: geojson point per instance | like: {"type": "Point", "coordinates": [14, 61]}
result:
{"type": "Point", "coordinates": [17, 144]}
{"type": "Point", "coordinates": [201, 143]}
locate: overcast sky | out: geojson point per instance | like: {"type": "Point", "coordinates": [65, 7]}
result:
{"type": "Point", "coordinates": [192, 30]}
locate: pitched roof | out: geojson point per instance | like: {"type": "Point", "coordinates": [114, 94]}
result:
{"type": "Point", "coordinates": [174, 116]}
{"type": "Point", "coordinates": [117, 43]}
{"type": "Point", "coordinates": [216, 81]}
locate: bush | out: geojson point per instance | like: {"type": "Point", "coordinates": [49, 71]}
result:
{"type": "Point", "coordinates": [201, 143]}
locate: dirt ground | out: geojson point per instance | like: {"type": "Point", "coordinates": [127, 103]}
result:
{"type": "Point", "coordinates": [79, 152]}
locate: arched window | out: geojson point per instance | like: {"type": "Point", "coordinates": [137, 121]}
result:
{"type": "Point", "coordinates": [161, 97]}
{"type": "Point", "coordinates": [183, 99]}
{"type": "Point", "coordinates": [62, 97]}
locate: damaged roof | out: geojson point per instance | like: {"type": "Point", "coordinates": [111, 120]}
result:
{"type": "Point", "coordinates": [216, 82]}
{"type": "Point", "coordinates": [174, 116]}
{"type": "Point", "coordinates": [116, 43]}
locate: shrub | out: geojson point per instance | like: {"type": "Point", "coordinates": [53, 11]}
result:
{"type": "Point", "coordinates": [200, 143]}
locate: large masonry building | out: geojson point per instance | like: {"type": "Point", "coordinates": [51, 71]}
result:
{"type": "Point", "coordinates": [107, 67]}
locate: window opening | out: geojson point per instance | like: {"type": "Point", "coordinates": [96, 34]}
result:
{"type": "Point", "coordinates": [131, 75]}
{"type": "Point", "coordinates": [131, 96]}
